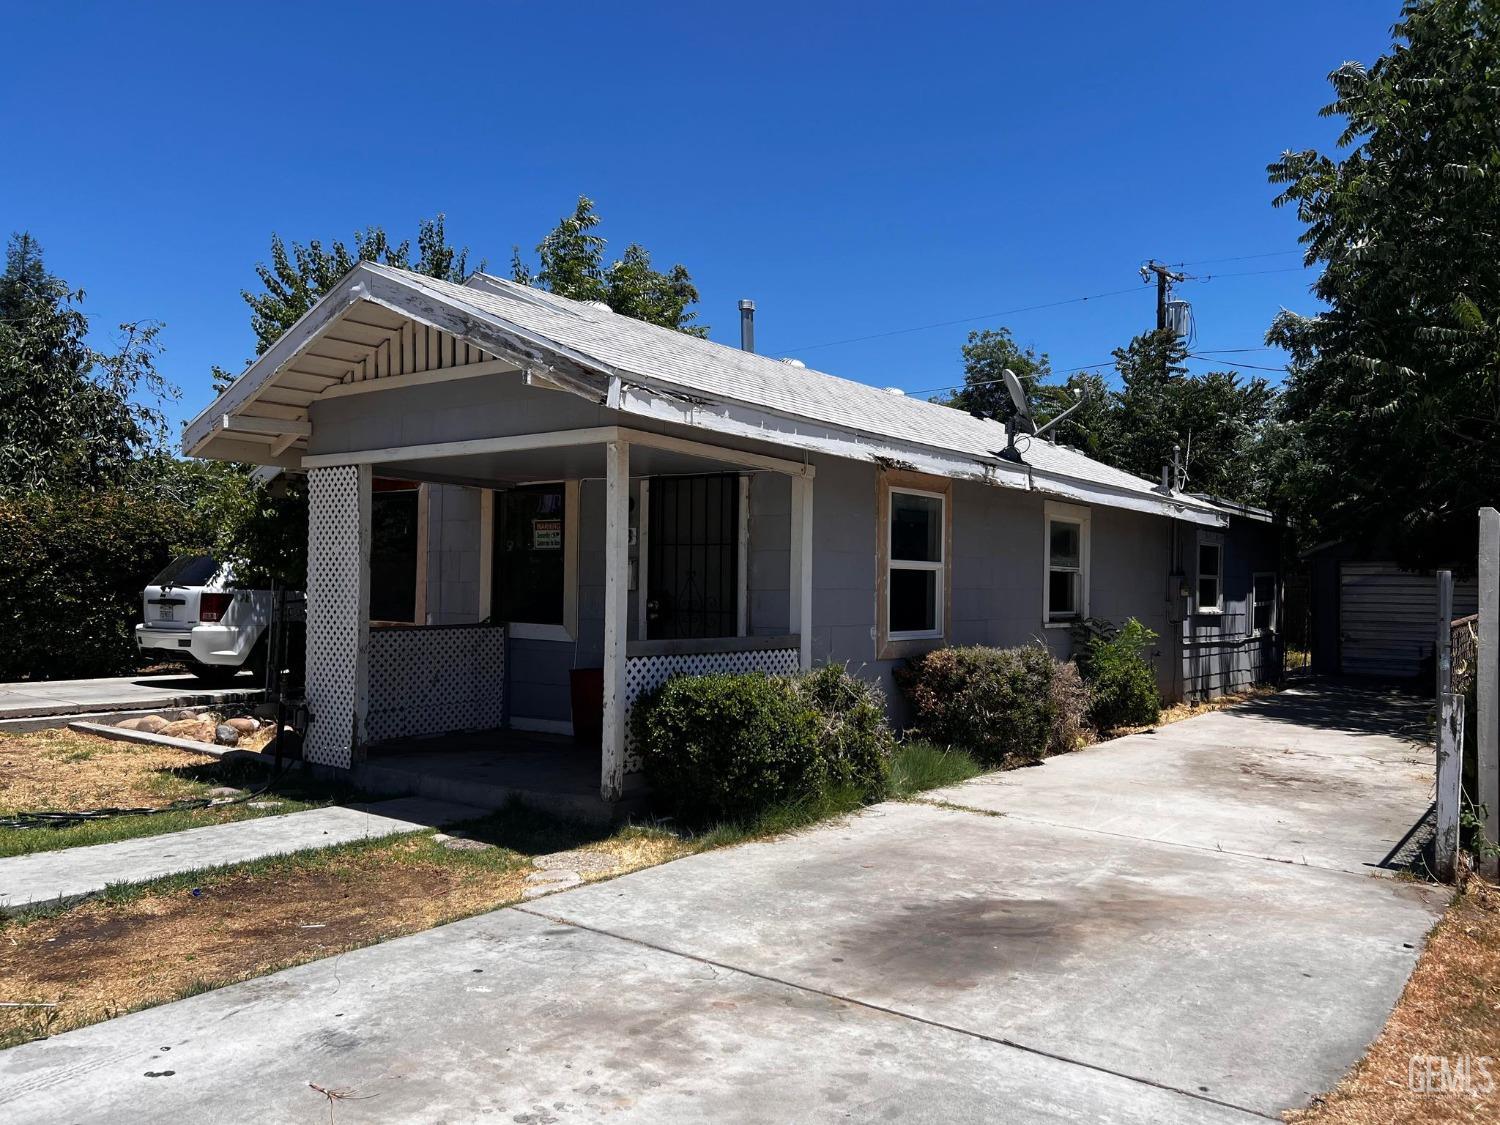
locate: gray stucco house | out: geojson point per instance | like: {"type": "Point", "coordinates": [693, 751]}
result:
{"type": "Point", "coordinates": [515, 496]}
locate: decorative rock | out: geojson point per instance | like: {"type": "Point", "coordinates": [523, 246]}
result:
{"type": "Point", "coordinates": [148, 723]}
{"type": "Point", "coordinates": [195, 729]}
{"type": "Point", "coordinates": [226, 791]}
{"type": "Point", "coordinates": [243, 725]}
{"type": "Point", "coordinates": [182, 715]}
{"type": "Point", "coordinates": [226, 735]}
{"type": "Point", "coordinates": [265, 804]}
{"type": "Point", "coordinates": [576, 860]}
{"type": "Point", "coordinates": [460, 845]}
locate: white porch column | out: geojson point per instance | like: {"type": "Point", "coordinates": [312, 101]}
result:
{"type": "Point", "coordinates": [338, 613]}
{"type": "Point", "coordinates": [616, 604]}
{"type": "Point", "coordinates": [799, 592]}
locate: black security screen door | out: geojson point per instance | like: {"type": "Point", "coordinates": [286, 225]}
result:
{"type": "Point", "coordinates": [692, 557]}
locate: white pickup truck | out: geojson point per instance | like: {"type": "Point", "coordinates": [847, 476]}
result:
{"type": "Point", "coordinates": [192, 613]}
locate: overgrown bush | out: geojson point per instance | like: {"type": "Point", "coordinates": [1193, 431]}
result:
{"type": "Point", "coordinates": [728, 747]}
{"type": "Point", "coordinates": [71, 579]}
{"type": "Point", "coordinates": [995, 702]}
{"type": "Point", "coordinates": [1115, 661]}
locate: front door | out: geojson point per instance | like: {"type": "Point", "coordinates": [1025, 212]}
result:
{"type": "Point", "coordinates": [692, 557]}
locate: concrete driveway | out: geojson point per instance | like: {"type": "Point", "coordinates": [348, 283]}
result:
{"type": "Point", "coordinates": [1198, 925]}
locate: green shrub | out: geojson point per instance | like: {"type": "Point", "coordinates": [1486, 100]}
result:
{"type": "Point", "coordinates": [994, 702]}
{"type": "Point", "coordinates": [1116, 664]}
{"type": "Point", "coordinates": [729, 747]}
{"type": "Point", "coordinates": [855, 741]}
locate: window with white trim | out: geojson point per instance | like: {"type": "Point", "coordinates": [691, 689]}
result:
{"type": "Point", "coordinates": [1263, 603]}
{"type": "Point", "coordinates": [915, 545]}
{"type": "Point", "coordinates": [1210, 576]}
{"type": "Point", "coordinates": [1066, 596]}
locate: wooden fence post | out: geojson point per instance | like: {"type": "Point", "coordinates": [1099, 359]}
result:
{"type": "Point", "coordinates": [1450, 768]}
{"type": "Point", "coordinates": [1488, 717]}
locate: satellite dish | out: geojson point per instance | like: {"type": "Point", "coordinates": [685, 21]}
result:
{"type": "Point", "coordinates": [1018, 399]}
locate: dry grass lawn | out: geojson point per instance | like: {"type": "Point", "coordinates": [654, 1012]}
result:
{"type": "Point", "coordinates": [62, 769]}
{"type": "Point", "coordinates": [183, 935]}
{"type": "Point", "coordinates": [1450, 1010]}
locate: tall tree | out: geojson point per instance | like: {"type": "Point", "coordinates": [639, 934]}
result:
{"type": "Point", "coordinates": [70, 416]}
{"type": "Point", "coordinates": [987, 354]}
{"type": "Point", "coordinates": [570, 263]}
{"type": "Point", "coordinates": [1393, 402]}
{"type": "Point", "coordinates": [1212, 423]}
{"type": "Point", "coordinates": [297, 276]}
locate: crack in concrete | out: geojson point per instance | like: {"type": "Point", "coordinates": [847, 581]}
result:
{"type": "Point", "coordinates": [896, 1013]}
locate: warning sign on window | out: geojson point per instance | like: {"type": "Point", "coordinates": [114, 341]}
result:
{"type": "Point", "coordinates": [546, 535]}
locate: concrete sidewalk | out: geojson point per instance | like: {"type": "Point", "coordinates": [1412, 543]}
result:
{"type": "Point", "coordinates": [31, 699]}
{"type": "Point", "coordinates": [72, 873]}
{"type": "Point", "coordinates": [916, 962]}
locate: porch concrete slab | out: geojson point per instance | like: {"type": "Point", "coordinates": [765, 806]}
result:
{"type": "Point", "coordinates": [1346, 794]}
{"type": "Point", "coordinates": [73, 873]}
{"type": "Point", "coordinates": [1254, 983]}
{"type": "Point", "coordinates": [508, 1017]}
{"type": "Point", "coordinates": [36, 698]}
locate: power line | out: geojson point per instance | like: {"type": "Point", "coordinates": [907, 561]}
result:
{"type": "Point", "coordinates": [1236, 363]}
{"type": "Point", "coordinates": [962, 320]}
{"type": "Point", "coordinates": [1237, 258]}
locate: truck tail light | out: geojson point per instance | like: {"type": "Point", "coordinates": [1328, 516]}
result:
{"type": "Point", "coordinates": [212, 607]}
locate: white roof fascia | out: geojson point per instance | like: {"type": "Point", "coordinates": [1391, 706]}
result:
{"type": "Point", "coordinates": [251, 381]}
{"type": "Point", "coordinates": [754, 423]}
{"type": "Point", "coordinates": [1092, 493]}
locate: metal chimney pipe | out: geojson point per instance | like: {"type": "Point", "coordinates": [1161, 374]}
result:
{"type": "Point", "coordinates": [747, 324]}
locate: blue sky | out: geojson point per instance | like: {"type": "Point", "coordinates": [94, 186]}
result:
{"type": "Point", "coordinates": [857, 169]}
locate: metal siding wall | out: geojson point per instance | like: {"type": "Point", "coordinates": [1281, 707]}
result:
{"type": "Point", "coordinates": [1221, 655]}
{"type": "Point", "coordinates": [770, 553]}
{"type": "Point", "coordinates": [479, 407]}
{"type": "Point", "coordinates": [1387, 618]}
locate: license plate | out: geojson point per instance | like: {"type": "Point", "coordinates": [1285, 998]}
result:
{"type": "Point", "coordinates": [166, 613]}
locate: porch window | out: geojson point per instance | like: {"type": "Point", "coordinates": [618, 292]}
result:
{"type": "Point", "coordinates": [1263, 601]}
{"type": "Point", "coordinates": [394, 541]}
{"type": "Point", "coordinates": [693, 576]}
{"type": "Point", "coordinates": [1067, 547]}
{"type": "Point", "coordinates": [1210, 576]}
{"type": "Point", "coordinates": [915, 586]}
{"type": "Point", "coordinates": [531, 535]}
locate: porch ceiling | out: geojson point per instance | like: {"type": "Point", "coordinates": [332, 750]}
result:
{"type": "Point", "coordinates": [567, 463]}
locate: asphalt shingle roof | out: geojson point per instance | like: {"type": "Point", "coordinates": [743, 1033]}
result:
{"type": "Point", "coordinates": [696, 366]}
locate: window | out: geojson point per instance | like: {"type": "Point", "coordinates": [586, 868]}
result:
{"type": "Point", "coordinates": [394, 542]}
{"type": "Point", "coordinates": [693, 578]}
{"type": "Point", "coordinates": [1067, 580]}
{"type": "Point", "coordinates": [915, 556]}
{"type": "Point", "coordinates": [1210, 577]}
{"type": "Point", "coordinates": [1263, 603]}
{"type": "Point", "coordinates": [528, 566]}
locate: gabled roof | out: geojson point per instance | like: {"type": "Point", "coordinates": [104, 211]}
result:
{"type": "Point", "coordinates": [647, 370]}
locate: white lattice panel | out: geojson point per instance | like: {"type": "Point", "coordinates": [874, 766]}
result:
{"type": "Point", "coordinates": [334, 625]}
{"type": "Point", "coordinates": [435, 680]}
{"type": "Point", "coordinates": [644, 674]}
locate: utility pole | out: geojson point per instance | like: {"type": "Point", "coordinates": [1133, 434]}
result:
{"type": "Point", "coordinates": [1164, 280]}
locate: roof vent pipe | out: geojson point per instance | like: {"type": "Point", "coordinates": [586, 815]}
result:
{"type": "Point", "coordinates": [747, 324]}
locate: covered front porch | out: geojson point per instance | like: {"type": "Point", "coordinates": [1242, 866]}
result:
{"type": "Point", "coordinates": [556, 578]}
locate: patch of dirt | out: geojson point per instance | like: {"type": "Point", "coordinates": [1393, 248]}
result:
{"type": "Point", "coordinates": [63, 769]}
{"type": "Point", "coordinates": [1180, 711]}
{"type": "Point", "coordinates": [103, 959]}
{"type": "Point", "coordinates": [1448, 1018]}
